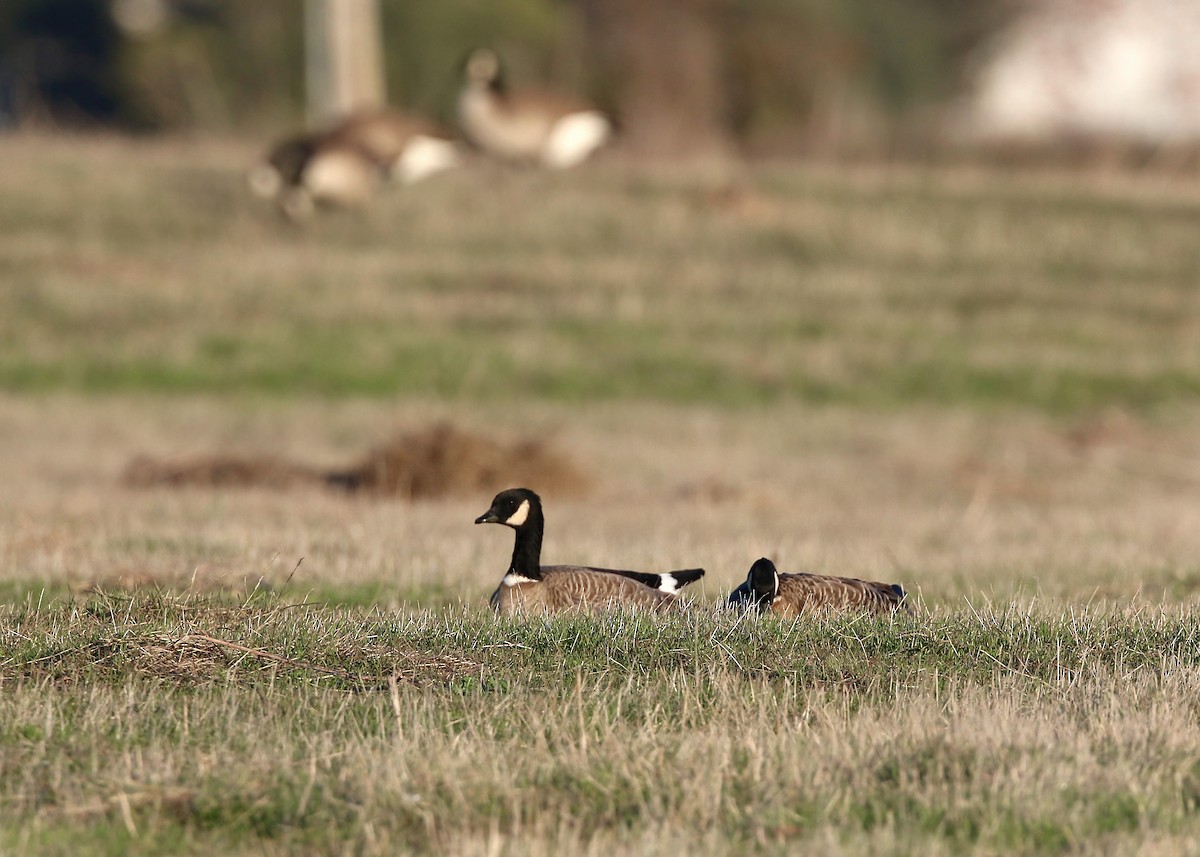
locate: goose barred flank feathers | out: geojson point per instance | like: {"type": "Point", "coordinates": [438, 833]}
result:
{"type": "Point", "coordinates": [791, 595]}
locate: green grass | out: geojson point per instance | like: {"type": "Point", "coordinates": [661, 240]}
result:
{"type": "Point", "coordinates": [127, 733]}
{"type": "Point", "coordinates": [331, 364]}
{"type": "Point", "coordinates": [149, 272]}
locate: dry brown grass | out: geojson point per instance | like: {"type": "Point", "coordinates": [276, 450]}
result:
{"type": "Point", "coordinates": [196, 659]}
{"type": "Point", "coordinates": [239, 749]}
{"type": "Point", "coordinates": [955, 505]}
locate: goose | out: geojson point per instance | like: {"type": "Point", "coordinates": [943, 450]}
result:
{"type": "Point", "coordinates": [407, 147]}
{"type": "Point", "coordinates": [530, 586]}
{"type": "Point", "coordinates": [790, 595]}
{"type": "Point", "coordinates": [526, 125]}
{"type": "Point", "coordinates": [346, 164]}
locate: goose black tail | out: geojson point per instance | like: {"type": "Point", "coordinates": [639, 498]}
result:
{"type": "Point", "coordinates": [347, 480]}
{"type": "Point", "coordinates": [673, 581]}
{"type": "Point", "coordinates": [899, 590]}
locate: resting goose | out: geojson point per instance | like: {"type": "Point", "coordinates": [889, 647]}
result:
{"type": "Point", "coordinates": [346, 164]}
{"type": "Point", "coordinates": [408, 148]}
{"type": "Point", "coordinates": [530, 586]}
{"type": "Point", "coordinates": [790, 595]}
{"type": "Point", "coordinates": [527, 125]}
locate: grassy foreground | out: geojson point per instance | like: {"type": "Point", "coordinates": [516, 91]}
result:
{"type": "Point", "coordinates": [159, 725]}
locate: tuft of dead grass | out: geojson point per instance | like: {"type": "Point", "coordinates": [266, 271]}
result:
{"type": "Point", "coordinates": [197, 658]}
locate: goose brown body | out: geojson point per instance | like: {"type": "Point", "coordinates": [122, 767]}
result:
{"type": "Point", "coordinates": [790, 595]}
{"type": "Point", "coordinates": [526, 125]}
{"type": "Point", "coordinates": [406, 148]}
{"type": "Point", "coordinates": [569, 587]}
{"type": "Point", "coordinates": [529, 586]}
{"type": "Point", "coordinates": [345, 164]}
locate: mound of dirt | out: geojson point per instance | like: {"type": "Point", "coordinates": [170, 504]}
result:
{"type": "Point", "coordinates": [443, 460]}
{"type": "Point", "coordinates": [438, 461]}
{"type": "Point", "coordinates": [224, 471]}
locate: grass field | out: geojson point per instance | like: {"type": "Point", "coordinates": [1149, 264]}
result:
{"type": "Point", "coordinates": [982, 385]}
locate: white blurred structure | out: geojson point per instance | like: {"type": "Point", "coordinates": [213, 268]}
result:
{"type": "Point", "coordinates": [141, 18]}
{"type": "Point", "coordinates": [1125, 69]}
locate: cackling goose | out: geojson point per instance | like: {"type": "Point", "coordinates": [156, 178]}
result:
{"type": "Point", "coordinates": [790, 595]}
{"type": "Point", "coordinates": [532, 587]}
{"type": "Point", "coordinates": [347, 163]}
{"type": "Point", "coordinates": [526, 125]}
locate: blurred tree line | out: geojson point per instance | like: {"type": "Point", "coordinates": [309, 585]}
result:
{"type": "Point", "coordinates": [681, 75]}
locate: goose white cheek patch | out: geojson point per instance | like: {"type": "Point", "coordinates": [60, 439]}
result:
{"type": "Point", "coordinates": [518, 517]}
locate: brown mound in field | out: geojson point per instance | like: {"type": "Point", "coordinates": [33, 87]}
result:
{"type": "Point", "coordinates": [445, 460]}
{"type": "Point", "coordinates": [438, 461]}
{"type": "Point", "coordinates": [224, 471]}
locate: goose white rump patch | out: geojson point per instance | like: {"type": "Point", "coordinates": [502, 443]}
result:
{"type": "Point", "coordinates": [574, 137]}
{"type": "Point", "coordinates": [340, 177]}
{"type": "Point", "coordinates": [519, 517]}
{"type": "Point", "coordinates": [424, 156]}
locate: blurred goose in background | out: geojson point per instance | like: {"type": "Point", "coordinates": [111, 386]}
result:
{"type": "Point", "coordinates": [526, 125]}
{"type": "Point", "coordinates": [791, 595]}
{"type": "Point", "coordinates": [529, 586]}
{"type": "Point", "coordinates": [347, 163]}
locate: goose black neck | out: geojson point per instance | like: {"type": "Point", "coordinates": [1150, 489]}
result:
{"type": "Point", "coordinates": [527, 547]}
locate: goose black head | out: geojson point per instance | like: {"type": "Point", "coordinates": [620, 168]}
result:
{"type": "Point", "coordinates": [760, 588]}
{"type": "Point", "coordinates": [482, 68]}
{"type": "Point", "coordinates": [514, 508]}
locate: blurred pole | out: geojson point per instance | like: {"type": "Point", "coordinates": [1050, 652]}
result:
{"type": "Point", "coordinates": [343, 58]}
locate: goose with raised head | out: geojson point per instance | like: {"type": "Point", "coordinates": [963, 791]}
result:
{"type": "Point", "coordinates": [526, 125]}
{"type": "Point", "coordinates": [529, 586]}
{"type": "Point", "coordinates": [791, 595]}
